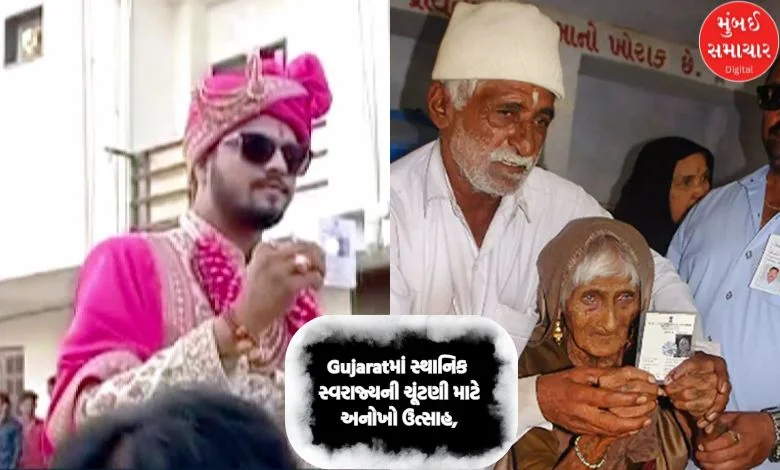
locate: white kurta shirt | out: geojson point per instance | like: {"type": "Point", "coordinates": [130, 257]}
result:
{"type": "Point", "coordinates": [436, 267]}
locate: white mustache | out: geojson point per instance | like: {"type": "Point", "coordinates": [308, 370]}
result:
{"type": "Point", "coordinates": [509, 156]}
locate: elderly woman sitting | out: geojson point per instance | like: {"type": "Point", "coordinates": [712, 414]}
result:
{"type": "Point", "coordinates": [596, 277]}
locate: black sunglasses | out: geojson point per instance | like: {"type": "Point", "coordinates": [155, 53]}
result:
{"type": "Point", "coordinates": [259, 149]}
{"type": "Point", "coordinates": [769, 97]}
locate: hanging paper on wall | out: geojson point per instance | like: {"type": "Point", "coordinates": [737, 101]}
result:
{"type": "Point", "coordinates": [339, 239]}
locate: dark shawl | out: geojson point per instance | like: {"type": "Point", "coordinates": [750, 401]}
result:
{"type": "Point", "coordinates": [644, 202]}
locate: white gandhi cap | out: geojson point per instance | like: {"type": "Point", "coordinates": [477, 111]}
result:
{"type": "Point", "coordinates": [501, 41]}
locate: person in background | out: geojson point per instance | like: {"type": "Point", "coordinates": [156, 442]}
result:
{"type": "Point", "coordinates": [50, 385]}
{"type": "Point", "coordinates": [10, 435]}
{"type": "Point", "coordinates": [209, 301]}
{"type": "Point", "coordinates": [718, 250]}
{"type": "Point", "coordinates": [33, 428]}
{"type": "Point", "coordinates": [470, 212]}
{"type": "Point", "coordinates": [670, 175]}
{"type": "Point", "coordinates": [180, 428]}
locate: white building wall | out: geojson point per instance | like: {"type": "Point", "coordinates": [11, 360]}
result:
{"type": "Point", "coordinates": [59, 191]}
{"type": "Point", "coordinates": [106, 96]}
{"type": "Point", "coordinates": [42, 173]}
{"type": "Point", "coordinates": [40, 336]}
{"type": "Point", "coordinates": [152, 72]}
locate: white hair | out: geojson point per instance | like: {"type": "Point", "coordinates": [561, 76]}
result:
{"type": "Point", "coordinates": [604, 256]}
{"type": "Point", "coordinates": [460, 91]}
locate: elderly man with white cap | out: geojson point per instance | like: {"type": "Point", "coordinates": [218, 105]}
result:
{"type": "Point", "coordinates": [470, 213]}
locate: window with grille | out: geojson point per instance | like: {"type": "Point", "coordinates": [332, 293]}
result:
{"type": "Point", "coordinates": [277, 49]}
{"type": "Point", "coordinates": [12, 372]}
{"type": "Point", "coordinates": [24, 36]}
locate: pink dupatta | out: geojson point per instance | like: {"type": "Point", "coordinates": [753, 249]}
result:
{"type": "Point", "coordinates": [117, 324]}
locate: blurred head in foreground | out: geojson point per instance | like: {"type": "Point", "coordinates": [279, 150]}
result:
{"type": "Point", "coordinates": [179, 429]}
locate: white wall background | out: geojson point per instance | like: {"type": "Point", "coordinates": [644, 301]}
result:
{"type": "Point", "coordinates": [58, 189]}
{"type": "Point", "coordinates": [107, 122]}
{"type": "Point", "coordinates": [152, 72]}
{"type": "Point", "coordinates": [42, 178]}
{"type": "Point", "coordinates": [40, 336]}
{"type": "Point", "coordinates": [412, 62]}
{"type": "Point", "coordinates": [621, 107]}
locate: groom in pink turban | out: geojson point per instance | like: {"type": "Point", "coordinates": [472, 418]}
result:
{"type": "Point", "coordinates": [207, 302]}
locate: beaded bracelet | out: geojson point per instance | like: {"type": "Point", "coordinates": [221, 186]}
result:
{"type": "Point", "coordinates": [268, 345]}
{"type": "Point", "coordinates": [582, 457]}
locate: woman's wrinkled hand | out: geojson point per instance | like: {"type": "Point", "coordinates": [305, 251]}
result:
{"type": "Point", "coordinates": [631, 379]}
{"type": "Point", "coordinates": [587, 400]}
{"type": "Point", "coordinates": [699, 386]}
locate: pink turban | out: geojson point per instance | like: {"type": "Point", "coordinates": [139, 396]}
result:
{"type": "Point", "coordinates": [296, 95]}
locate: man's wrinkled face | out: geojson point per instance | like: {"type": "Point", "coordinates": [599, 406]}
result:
{"type": "Point", "coordinates": [255, 194]}
{"type": "Point", "coordinates": [599, 314]}
{"type": "Point", "coordinates": [770, 130]}
{"type": "Point", "coordinates": [498, 136]}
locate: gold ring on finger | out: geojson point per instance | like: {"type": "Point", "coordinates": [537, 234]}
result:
{"type": "Point", "coordinates": [302, 262]}
{"type": "Point", "coordinates": [735, 436]}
